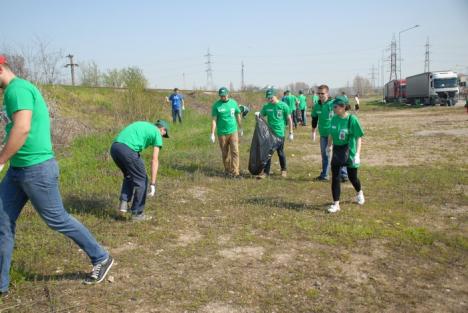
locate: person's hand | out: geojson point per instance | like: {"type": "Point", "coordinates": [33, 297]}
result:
{"type": "Point", "coordinates": [212, 138]}
{"type": "Point", "coordinates": [152, 191]}
{"type": "Point", "coordinates": [241, 132]}
{"type": "Point", "coordinates": [357, 159]}
{"type": "Point", "coordinates": [314, 134]}
{"type": "Point", "coordinates": [257, 114]}
{"type": "Point", "coordinates": [328, 151]}
{"type": "Point", "coordinates": [1, 167]}
{"type": "Point", "coordinates": [291, 136]}
{"type": "Point", "coordinates": [183, 108]}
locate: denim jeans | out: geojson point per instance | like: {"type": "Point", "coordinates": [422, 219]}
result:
{"type": "Point", "coordinates": [304, 117]}
{"type": "Point", "coordinates": [282, 159]}
{"type": "Point", "coordinates": [135, 181]}
{"type": "Point", "coordinates": [38, 183]}
{"type": "Point", "coordinates": [325, 161]}
{"type": "Point", "coordinates": [176, 113]}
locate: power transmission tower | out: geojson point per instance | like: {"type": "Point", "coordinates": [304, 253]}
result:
{"type": "Point", "coordinates": [393, 59]}
{"type": "Point", "coordinates": [373, 75]}
{"type": "Point", "coordinates": [72, 68]}
{"type": "Point", "coordinates": [242, 77]}
{"type": "Point", "coordinates": [209, 71]}
{"type": "Point", "coordinates": [427, 60]}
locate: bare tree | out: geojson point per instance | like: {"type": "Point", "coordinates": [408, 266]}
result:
{"type": "Point", "coordinates": [48, 61]}
{"type": "Point", "coordinates": [113, 78]}
{"type": "Point", "coordinates": [90, 74]}
{"type": "Point", "coordinates": [362, 85]}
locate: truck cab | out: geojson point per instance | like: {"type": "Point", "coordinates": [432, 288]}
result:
{"type": "Point", "coordinates": [443, 88]}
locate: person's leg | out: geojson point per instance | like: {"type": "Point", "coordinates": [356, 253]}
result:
{"type": "Point", "coordinates": [40, 184]}
{"type": "Point", "coordinates": [323, 151]}
{"type": "Point", "coordinates": [353, 178]}
{"type": "Point", "coordinates": [282, 156]}
{"type": "Point", "coordinates": [234, 151]}
{"type": "Point", "coordinates": [137, 171]}
{"type": "Point", "coordinates": [336, 182]}
{"type": "Point", "coordinates": [223, 144]}
{"type": "Point", "coordinates": [294, 118]}
{"type": "Point", "coordinates": [304, 117]}
{"type": "Point", "coordinates": [174, 116]}
{"type": "Point", "coordinates": [12, 201]}
{"type": "Point", "coordinates": [344, 173]}
{"type": "Point", "coordinates": [120, 153]}
{"type": "Point", "coordinates": [178, 115]}
{"type": "Point", "coordinates": [266, 169]}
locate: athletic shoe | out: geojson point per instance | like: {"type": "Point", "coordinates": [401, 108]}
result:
{"type": "Point", "coordinates": [141, 217]}
{"type": "Point", "coordinates": [261, 176]}
{"type": "Point", "coordinates": [284, 174]}
{"type": "Point", "coordinates": [360, 198]}
{"type": "Point", "coordinates": [99, 271]}
{"type": "Point", "coordinates": [321, 178]}
{"type": "Point", "coordinates": [123, 207]}
{"type": "Point", "coordinates": [334, 208]}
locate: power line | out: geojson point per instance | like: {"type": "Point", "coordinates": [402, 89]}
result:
{"type": "Point", "coordinates": [72, 68]}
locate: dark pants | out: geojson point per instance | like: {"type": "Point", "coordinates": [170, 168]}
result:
{"type": "Point", "coordinates": [282, 159]}
{"type": "Point", "coordinates": [176, 113]}
{"type": "Point", "coordinates": [294, 118]}
{"type": "Point", "coordinates": [135, 182]}
{"type": "Point", "coordinates": [304, 117]}
{"type": "Point", "coordinates": [336, 180]}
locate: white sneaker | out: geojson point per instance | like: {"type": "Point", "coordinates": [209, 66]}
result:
{"type": "Point", "coordinates": [334, 208]}
{"type": "Point", "coordinates": [123, 207]}
{"type": "Point", "coordinates": [360, 198]}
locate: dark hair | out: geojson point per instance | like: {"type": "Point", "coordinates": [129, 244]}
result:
{"type": "Point", "coordinates": [323, 87]}
{"type": "Point", "coordinates": [176, 89]}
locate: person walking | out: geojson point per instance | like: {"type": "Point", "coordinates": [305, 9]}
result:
{"type": "Point", "coordinates": [125, 151]}
{"type": "Point", "coordinates": [33, 175]}
{"type": "Point", "coordinates": [278, 116]}
{"type": "Point", "coordinates": [226, 121]}
{"type": "Point", "coordinates": [292, 102]}
{"type": "Point", "coordinates": [303, 107]}
{"type": "Point", "coordinates": [345, 138]}
{"type": "Point", "coordinates": [177, 103]}
{"type": "Point", "coordinates": [356, 106]}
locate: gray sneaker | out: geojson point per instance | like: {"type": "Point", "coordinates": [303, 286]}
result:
{"type": "Point", "coordinates": [141, 217]}
{"type": "Point", "coordinates": [99, 271]}
{"type": "Point", "coordinates": [123, 207]}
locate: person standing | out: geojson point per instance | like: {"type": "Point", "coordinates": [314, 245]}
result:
{"type": "Point", "coordinates": [322, 114]}
{"type": "Point", "coordinates": [278, 115]}
{"type": "Point", "coordinates": [291, 101]}
{"type": "Point", "coordinates": [303, 107]}
{"type": "Point", "coordinates": [125, 151]}
{"type": "Point", "coordinates": [226, 121]}
{"type": "Point", "coordinates": [33, 175]}
{"type": "Point", "coordinates": [177, 102]}
{"type": "Point", "coordinates": [356, 106]}
{"type": "Point", "coordinates": [345, 137]}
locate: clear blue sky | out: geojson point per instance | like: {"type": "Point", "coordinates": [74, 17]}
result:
{"type": "Point", "coordinates": [279, 42]}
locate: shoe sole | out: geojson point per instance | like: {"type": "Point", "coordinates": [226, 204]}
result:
{"type": "Point", "coordinates": [103, 276]}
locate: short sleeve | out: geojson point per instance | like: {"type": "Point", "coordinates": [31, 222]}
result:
{"type": "Point", "coordinates": [20, 99]}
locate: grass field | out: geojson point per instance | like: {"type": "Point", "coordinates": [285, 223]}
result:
{"type": "Point", "coordinates": [221, 245]}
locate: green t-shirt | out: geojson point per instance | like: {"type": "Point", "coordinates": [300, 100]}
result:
{"type": "Point", "coordinates": [324, 112]}
{"type": "Point", "coordinates": [315, 99]}
{"type": "Point", "coordinates": [22, 95]}
{"type": "Point", "coordinates": [277, 115]}
{"type": "Point", "coordinates": [302, 102]}
{"type": "Point", "coordinates": [225, 114]}
{"type": "Point", "coordinates": [291, 102]}
{"type": "Point", "coordinates": [342, 135]}
{"type": "Point", "coordinates": [139, 135]}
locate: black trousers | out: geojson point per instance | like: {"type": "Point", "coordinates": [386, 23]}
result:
{"type": "Point", "coordinates": [336, 180]}
{"type": "Point", "coordinates": [282, 159]}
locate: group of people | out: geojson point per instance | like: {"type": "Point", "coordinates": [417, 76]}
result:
{"type": "Point", "coordinates": [33, 171]}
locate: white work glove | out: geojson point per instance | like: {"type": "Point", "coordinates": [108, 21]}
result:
{"type": "Point", "coordinates": [291, 136]}
{"type": "Point", "coordinates": [357, 159]}
{"type": "Point", "coordinates": [241, 132]}
{"type": "Point", "coordinates": [183, 108]}
{"type": "Point", "coordinates": [152, 191]}
{"type": "Point", "coordinates": [1, 167]}
{"type": "Point", "coordinates": [314, 134]}
{"type": "Point", "coordinates": [328, 151]}
{"type": "Point", "coordinates": [212, 138]}
{"type": "Point", "coordinates": [257, 114]}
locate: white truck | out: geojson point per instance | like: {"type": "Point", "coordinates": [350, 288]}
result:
{"type": "Point", "coordinates": [432, 88]}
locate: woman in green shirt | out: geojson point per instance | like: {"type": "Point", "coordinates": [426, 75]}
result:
{"type": "Point", "coordinates": [345, 135]}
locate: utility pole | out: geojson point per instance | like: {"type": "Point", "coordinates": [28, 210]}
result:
{"type": "Point", "coordinates": [393, 60]}
{"type": "Point", "coordinates": [427, 60]}
{"type": "Point", "coordinates": [242, 77]}
{"type": "Point", "coordinates": [72, 68]}
{"type": "Point", "coordinates": [372, 76]}
{"type": "Point", "coordinates": [209, 71]}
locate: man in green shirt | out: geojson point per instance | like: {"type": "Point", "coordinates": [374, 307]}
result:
{"type": "Point", "coordinates": [322, 114]}
{"type": "Point", "coordinates": [303, 107]}
{"type": "Point", "coordinates": [292, 102]}
{"type": "Point", "coordinates": [226, 121]}
{"type": "Point", "coordinates": [33, 175]}
{"type": "Point", "coordinates": [125, 152]}
{"type": "Point", "coordinates": [278, 115]}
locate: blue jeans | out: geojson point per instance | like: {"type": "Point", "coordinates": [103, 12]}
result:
{"type": "Point", "coordinates": [325, 163]}
{"type": "Point", "coordinates": [38, 183]}
{"type": "Point", "coordinates": [176, 113]}
{"type": "Point", "coordinates": [135, 181]}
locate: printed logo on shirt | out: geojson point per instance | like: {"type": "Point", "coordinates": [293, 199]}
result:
{"type": "Point", "coordinates": [233, 111]}
{"type": "Point", "coordinates": [279, 114]}
{"type": "Point", "coordinates": [342, 134]}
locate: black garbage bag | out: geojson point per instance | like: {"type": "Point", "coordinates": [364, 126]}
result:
{"type": "Point", "coordinates": [264, 143]}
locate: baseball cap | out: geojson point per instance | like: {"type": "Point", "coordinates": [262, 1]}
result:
{"type": "Point", "coordinates": [341, 101]}
{"type": "Point", "coordinates": [223, 91]}
{"type": "Point", "coordinates": [3, 59]}
{"type": "Point", "coordinates": [270, 92]}
{"type": "Point", "coordinates": [164, 124]}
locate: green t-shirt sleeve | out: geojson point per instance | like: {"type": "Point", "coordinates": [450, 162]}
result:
{"type": "Point", "coordinates": [213, 110]}
{"type": "Point", "coordinates": [356, 128]}
{"type": "Point", "coordinates": [20, 99]}
{"type": "Point", "coordinates": [158, 141]}
{"type": "Point", "coordinates": [237, 109]}
{"type": "Point", "coordinates": [263, 111]}
{"type": "Point", "coordinates": [287, 110]}
{"type": "Point", "coordinates": [314, 111]}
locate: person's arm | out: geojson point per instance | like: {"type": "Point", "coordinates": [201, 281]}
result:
{"type": "Point", "coordinates": [18, 135]}
{"type": "Point", "coordinates": [154, 166]}
{"type": "Point", "coordinates": [239, 120]}
{"type": "Point", "coordinates": [358, 145]}
{"type": "Point", "coordinates": [290, 124]}
{"type": "Point", "coordinates": [330, 141]}
{"type": "Point", "coordinates": [183, 104]}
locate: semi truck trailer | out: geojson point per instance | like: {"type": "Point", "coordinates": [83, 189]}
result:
{"type": "Point", "coordinates": [432, 88]}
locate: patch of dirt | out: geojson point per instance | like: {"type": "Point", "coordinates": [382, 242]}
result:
{"type": "Point", "coordinates": [218, 307]}
{"type": "Point", "coordinates": [199, 193]}
{"type": "Point", "coordinates": [188, 237]}
{"type": "Point", "coordinates": [448, 132]}
{"type": "Point", "coordinates": [243, 253]}
{"type": "Point", "coordinates": [125, 247]}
